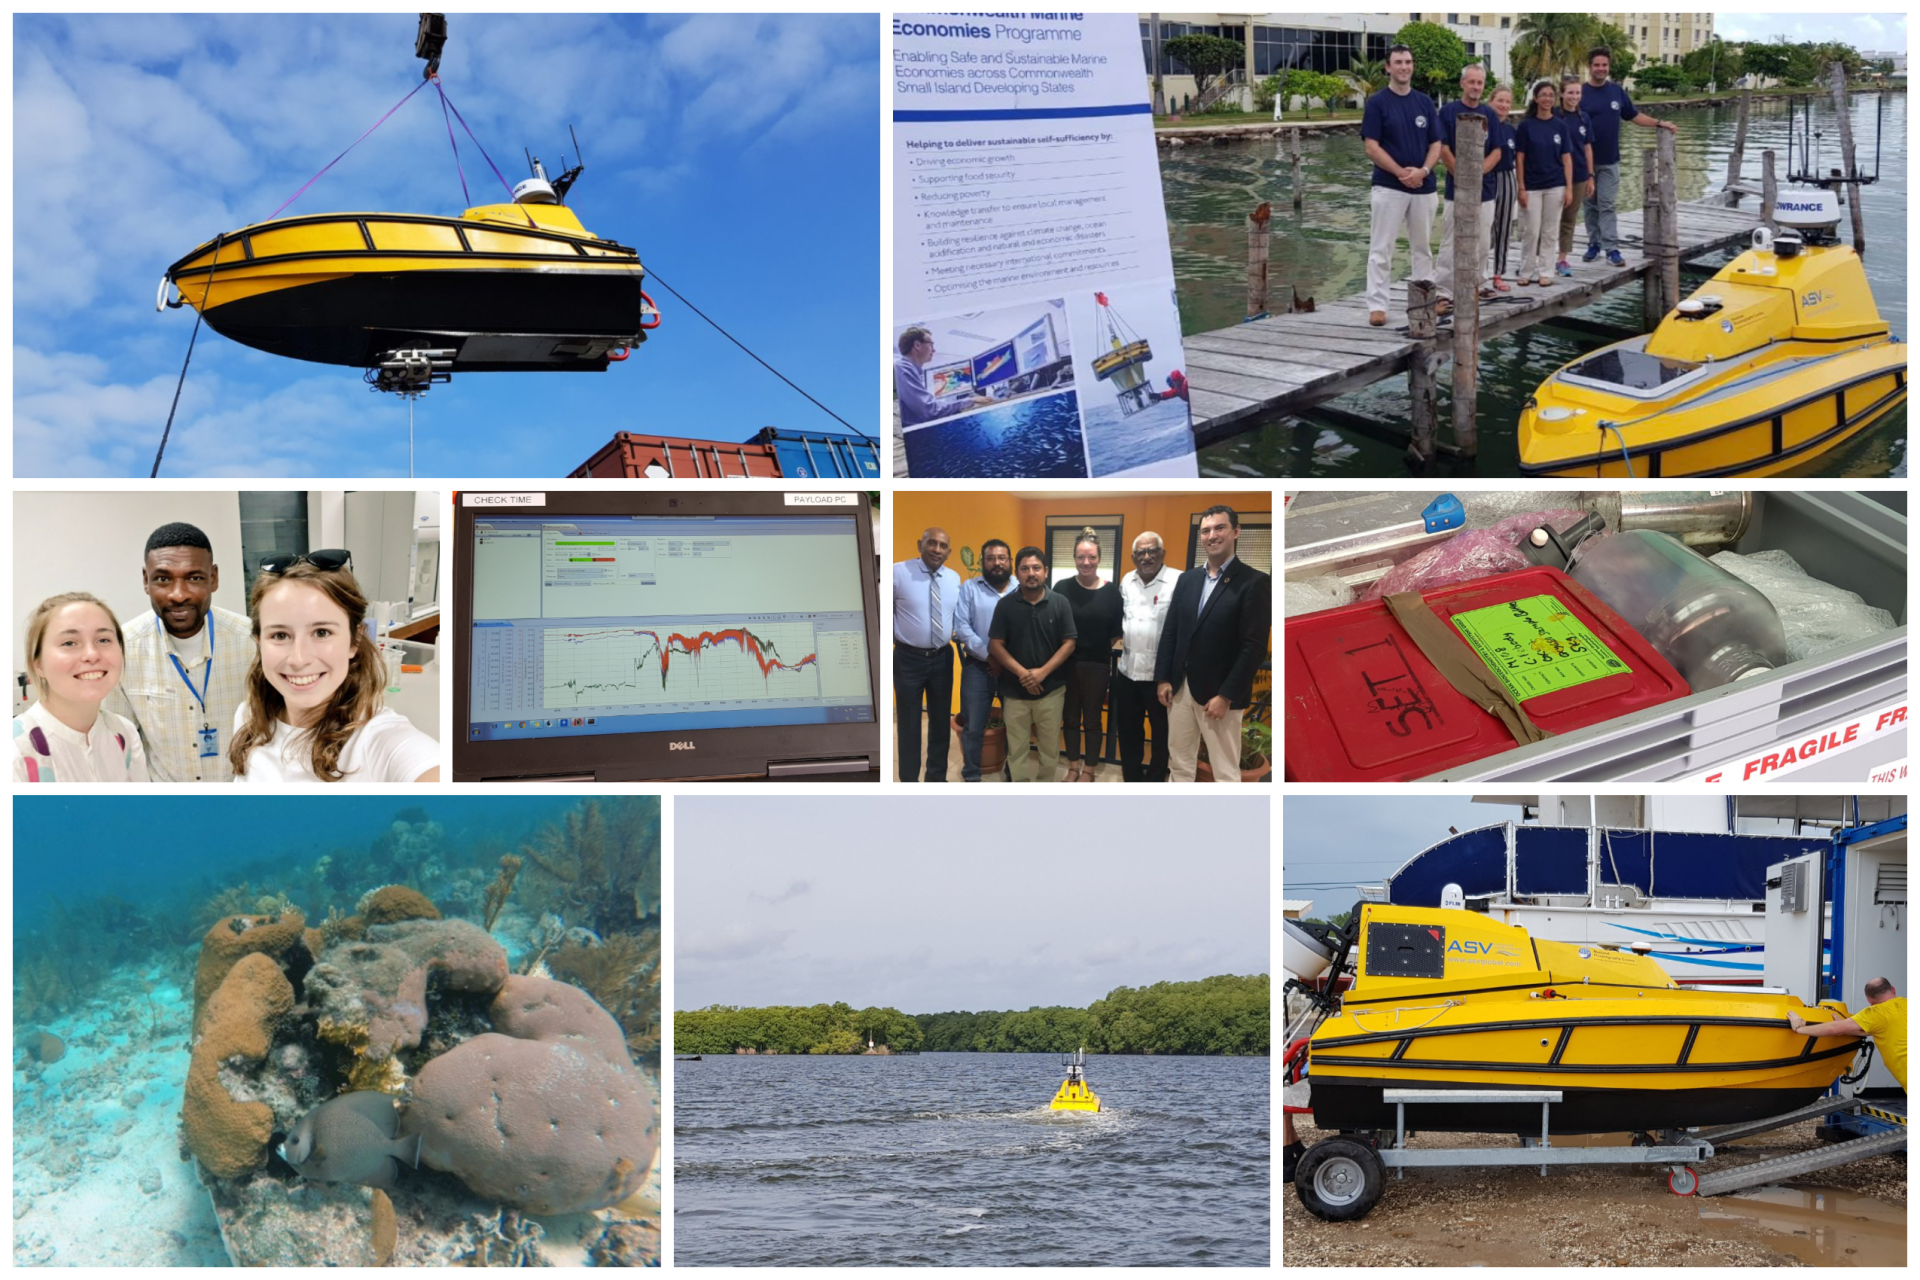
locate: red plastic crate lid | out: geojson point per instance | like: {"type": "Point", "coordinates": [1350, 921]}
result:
{"type": "Point", "coordinates": [1364, 704]}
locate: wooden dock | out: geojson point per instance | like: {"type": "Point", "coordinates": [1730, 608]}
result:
{"type": "Point", "coordinates": [1289, 363]}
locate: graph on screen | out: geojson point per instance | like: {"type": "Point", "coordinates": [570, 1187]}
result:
{"type": "Point", "coordinates": [657, 665]}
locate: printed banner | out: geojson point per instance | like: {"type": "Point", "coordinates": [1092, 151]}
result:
{"type": "Point", "coordinates": [1036, 332]}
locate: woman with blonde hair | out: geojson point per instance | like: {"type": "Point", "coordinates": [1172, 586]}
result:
{"type": "Point", "coordinates": [1096, 617]}
{"type": "Point", "coordinates": [314, 707]}
{"type": "Point", "coordinates": [75, 655]}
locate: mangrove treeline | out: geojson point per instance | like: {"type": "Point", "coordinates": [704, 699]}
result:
{"type": "Point", "coordinates": [1221, 1015]}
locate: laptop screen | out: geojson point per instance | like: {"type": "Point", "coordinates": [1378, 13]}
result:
{"type": "Point", "coordinates": [608, 624]}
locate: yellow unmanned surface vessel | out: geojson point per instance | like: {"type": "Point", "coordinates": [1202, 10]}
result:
{"type": "Point", "coordinates": [412, 298]}
{"type": "Point", "coordinates": [1124, 363]}
{"type": "Point", "coordinates": [1448, 999]}
{"type": "Point", "coordinates": [1777, 359]}
{"type": "Point", "coordinates": [1074, 1094]}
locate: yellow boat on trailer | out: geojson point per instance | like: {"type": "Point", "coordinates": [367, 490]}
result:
{"type": "Point", "coordinates": [1452, 1000]}
{"type": "Point", "coordinates": [1779, 358]}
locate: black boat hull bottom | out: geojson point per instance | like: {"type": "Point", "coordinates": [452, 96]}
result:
{"type": "Point", "coordinates": [496, 321]}
{"type": "Point", "coordinates": [1339, 1105]}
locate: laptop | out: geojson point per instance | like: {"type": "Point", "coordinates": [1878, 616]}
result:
{"type": "Point", "coordinates": [640, 635]}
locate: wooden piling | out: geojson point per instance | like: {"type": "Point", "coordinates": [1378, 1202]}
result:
{"type": "Point", "coordinates": [1422, 387]}
{"type": "Point", "coordinates": [1769, 192]}
{"type": "Point", "coordinates": [1469, 153]}
{"type": "Point", "coordinates": [1737, 161]}
{"type": "Point", "coordinates": [1652, 235]}
{"type": "Point", "coordinates": [1257, 226]}
{"type": "Point", "coordinates": [1293, 145]}
{"type": "Point", "coordinates": [1669, 260]}
{"type": "Point", "coordinates": [1838, 74]}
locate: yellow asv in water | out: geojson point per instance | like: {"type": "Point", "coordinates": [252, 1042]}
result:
{"type": "Point", "coordinates": [1779, 358]}
{"type": "Point", "coordinates": [1074, 1094]}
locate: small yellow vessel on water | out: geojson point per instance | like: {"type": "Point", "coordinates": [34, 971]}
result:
{"type": "Point", "coordinates": [1779, 358]}
{"type": "Point", "coordinates": [1074, 1094]}
{"type": "Point", "coordinates": [1450, 999]}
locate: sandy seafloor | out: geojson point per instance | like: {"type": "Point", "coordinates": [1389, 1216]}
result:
{"type": "Point", "coordinates": [99, 1179]}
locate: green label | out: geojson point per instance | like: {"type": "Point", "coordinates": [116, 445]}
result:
{"type": "Point", "coordinates": [1536, 646]}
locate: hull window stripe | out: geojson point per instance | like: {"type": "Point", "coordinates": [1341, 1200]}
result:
{"type": "Point", "coordinates": [1566, 1034]}
{"type": "Point", "coordinates": [1693, 1033]}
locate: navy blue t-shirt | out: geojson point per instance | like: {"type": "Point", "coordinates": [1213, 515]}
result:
{"type": "Point", "coordinates": [1449, 124]}
{"type": "Point", "coordinates": [1606, 108]}
{"type": "Point", "coordinates": [1582, 135]}
{"type": "Point", "coordinates": [1542, 143]}
{"type": "Point", "coordinates": [1508, 141]}
{"type": "Point", "coordinates": [1405, 126]}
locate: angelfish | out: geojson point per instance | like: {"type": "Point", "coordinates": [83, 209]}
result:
{"type": "Point", "coordinates": [352, 1138]}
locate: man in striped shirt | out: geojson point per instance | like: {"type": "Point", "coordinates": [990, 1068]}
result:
{"type": "Point", "coordinates": [186, 661]}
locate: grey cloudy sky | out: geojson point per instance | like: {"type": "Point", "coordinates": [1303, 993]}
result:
{"type": "Point", "coordinates": [969, 902]}
{"type": "Point", "coordinates": [1882, 32]}
{"type": "Point", "coordinates": [1332, 843]}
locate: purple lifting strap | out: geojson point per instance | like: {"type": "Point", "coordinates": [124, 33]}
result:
{"type": "Point", "coordinates": [476, 142]}
{"type": "Point", "coordinates": [350, 146]}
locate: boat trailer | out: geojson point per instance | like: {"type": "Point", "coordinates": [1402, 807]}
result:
{"type": "Point", "coordinates": [1341, 1179]}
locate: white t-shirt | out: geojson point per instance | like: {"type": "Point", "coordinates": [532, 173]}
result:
{"type": "Point", "coordinates": [385, 749]}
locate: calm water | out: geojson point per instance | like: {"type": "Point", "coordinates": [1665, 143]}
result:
{"type": "Point", "coordinates": [1037, 438]}
{"type": "Point", "coordinates": [953, 1159]}
{"type": "Point", "coordinates": [1321, 251]}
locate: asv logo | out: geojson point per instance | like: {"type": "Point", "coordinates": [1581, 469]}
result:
{"type": "Point", "coordinates": [1813, 299]}
{"type": "Point", "coordinates": [679, 746]}
{"type": "Point", "coordinates": [1472, 948]}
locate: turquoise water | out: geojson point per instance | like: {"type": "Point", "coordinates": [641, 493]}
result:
{"type": "Point", "coordinates": [1320, 252]}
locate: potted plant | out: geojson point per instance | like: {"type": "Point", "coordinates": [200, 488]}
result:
{"type": "Point", "coordinates": [993, 743]}
{"type": "Point", "coordinates": [1256, 754]}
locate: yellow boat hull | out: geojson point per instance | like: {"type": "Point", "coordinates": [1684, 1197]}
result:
{"type": "Point", "coordinates": [1752, 422]}
{"type": "Point", "coordinates": [1776, 360]}
{"type": "Point", "coordinates": [504, 287]}
{"type": "Point", "coordinates": [1075, 1096]}
{"type": "Point", "coordinates": [1483, 1005]}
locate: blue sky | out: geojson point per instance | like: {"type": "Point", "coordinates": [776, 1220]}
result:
{"type": "Point", "coordinates": [739, 154]}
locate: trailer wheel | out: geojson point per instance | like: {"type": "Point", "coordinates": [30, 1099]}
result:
{"type": "Point", "coordinates": [1340, 1180]}
{"type": "Point", "coordinates": [1683, 1181]}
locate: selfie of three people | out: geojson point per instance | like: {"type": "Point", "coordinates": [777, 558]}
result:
{"type": "Point", "coordinates": [328, 675]}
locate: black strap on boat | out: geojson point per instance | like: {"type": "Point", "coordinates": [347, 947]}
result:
{"type": "Point", "coordinates": [655, 277]}
{"type": "Point", "coordinates": [213, 265]}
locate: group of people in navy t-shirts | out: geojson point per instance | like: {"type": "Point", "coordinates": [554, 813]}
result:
{"type": "Point", "coordinates": [1558, 156]}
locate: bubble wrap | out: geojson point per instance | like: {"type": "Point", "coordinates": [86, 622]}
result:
{"type": "Point", "coordinates": [1469, 554]}
{"type": "Point", "coordinates": [1311, 595]}
{"type": "Point", "coordinates": [1816, 615]}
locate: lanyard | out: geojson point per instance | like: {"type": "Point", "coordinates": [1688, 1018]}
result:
{"type": "Point", "coordinates": [206, 677]}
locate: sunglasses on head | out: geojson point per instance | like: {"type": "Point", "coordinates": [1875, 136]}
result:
{"type": "Point", "coordinates": [335, 558]}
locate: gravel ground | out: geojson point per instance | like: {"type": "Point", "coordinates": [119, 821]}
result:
{"type": "Point", "coordinates": [1600, 1215]}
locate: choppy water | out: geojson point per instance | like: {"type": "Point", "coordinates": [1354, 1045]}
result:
{"type": "Point", "coordinates": [953, 1159]}
{"type": "Point", "coordinates": [1321, 253]}
{"type": "Point", "coordinates": [1037, 438]}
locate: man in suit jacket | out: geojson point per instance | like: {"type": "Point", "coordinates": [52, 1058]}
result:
{"type": "Point", "coordinates": [1218, 630]}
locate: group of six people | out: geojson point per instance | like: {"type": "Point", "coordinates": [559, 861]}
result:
{"type": "Point", "coordinates": [1169, 656]}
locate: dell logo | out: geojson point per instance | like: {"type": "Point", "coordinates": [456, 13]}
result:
{"type": "Point", "coordinates": [679, 746]}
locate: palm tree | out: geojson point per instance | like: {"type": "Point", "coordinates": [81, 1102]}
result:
{"type": "Point", "coordinates": [1546, 44]}
{"type": "Point", "coordinates": [1369, 77]}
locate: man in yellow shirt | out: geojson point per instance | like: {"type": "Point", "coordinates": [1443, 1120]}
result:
{"type": "Point", "coordinates": [1884, 1018]}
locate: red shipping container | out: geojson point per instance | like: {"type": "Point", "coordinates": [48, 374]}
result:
{"type": "Point", "coordinates": [633, 457]}
{"type": "Point", "coordinates": [1365, 705]}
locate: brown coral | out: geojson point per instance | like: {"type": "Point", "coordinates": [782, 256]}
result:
{"type": "Point", "coordinates": [380, 986]}
{"type": "Point", "coordinates": [230, 1138]}
{"type": "Point", "coordinates": [46, 1046]}
{"type": "Point", "coordinates": [394, 903]}
{"type": "Point", "coordinates": [238, 936]}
